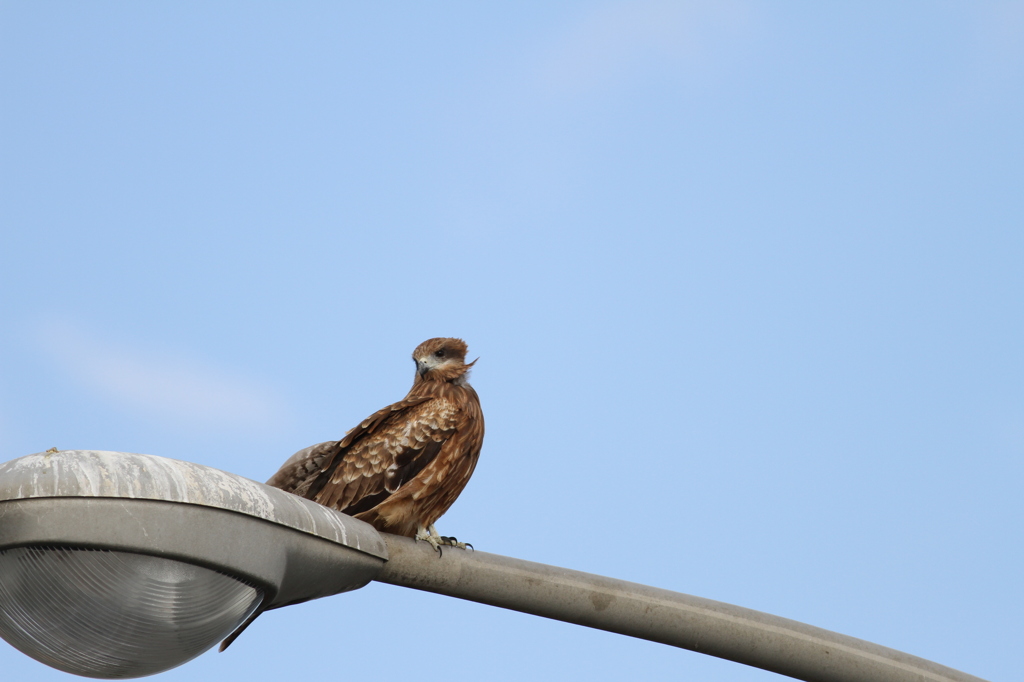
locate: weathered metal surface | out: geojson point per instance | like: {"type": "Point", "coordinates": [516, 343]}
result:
{"type": "Point", "coordinates": [709, 627]}
{"type": "Point", "coordinates": [103, 474]}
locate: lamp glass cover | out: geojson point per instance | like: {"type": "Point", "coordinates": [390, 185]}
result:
{"type": "Point", "coordinates": [115, 615]}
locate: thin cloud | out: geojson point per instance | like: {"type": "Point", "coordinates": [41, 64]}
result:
{"type": "Point", "coordinates": [161, 386]}
{"type": "Point", "coordinates": [616, 40]}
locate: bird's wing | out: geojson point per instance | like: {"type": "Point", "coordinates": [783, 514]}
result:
{"type": "Point", "coordinates": [374, 459]}
{"type": "Point", "coordinates": [302, 468]}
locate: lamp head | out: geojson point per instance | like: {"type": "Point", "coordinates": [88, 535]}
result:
{"type": "Point", "coordinates": [117, 565]}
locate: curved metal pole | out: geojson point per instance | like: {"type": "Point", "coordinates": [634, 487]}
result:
{"type": "Point", "coordinates": [750, 637]}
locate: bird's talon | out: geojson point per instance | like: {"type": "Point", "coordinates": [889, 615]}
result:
{"type": "Point", "coordinates": [430, 538]}
{"type": "Point", "coordinates": [452, 541]}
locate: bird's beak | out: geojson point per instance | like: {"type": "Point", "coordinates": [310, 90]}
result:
{"type": "Point", "coordinates": [421, 367]}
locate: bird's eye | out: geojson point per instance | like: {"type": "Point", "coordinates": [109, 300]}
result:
{"type": "Point", "coordinates": [439, 354]}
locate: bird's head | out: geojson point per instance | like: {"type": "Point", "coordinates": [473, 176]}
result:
{"type": "Point", "coordinates": [441, 360]}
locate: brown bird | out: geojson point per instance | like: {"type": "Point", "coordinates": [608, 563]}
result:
{"type": "Point", "coordinates": [402, 467]}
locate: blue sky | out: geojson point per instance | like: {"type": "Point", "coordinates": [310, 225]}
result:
{"type": "Point", "coordinates": [746, 281]}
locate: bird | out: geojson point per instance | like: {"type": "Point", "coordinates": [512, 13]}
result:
{"type": "Point", "coordinates": [403, 466]}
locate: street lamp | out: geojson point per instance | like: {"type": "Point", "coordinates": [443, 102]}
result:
{"type": "Point", "coordinates": [118, 565]}
{"type": "Point", "coordinates": [121, 565]}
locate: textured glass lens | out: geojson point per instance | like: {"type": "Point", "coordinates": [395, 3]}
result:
{"type": "Point", "coordinates": [115, 614]}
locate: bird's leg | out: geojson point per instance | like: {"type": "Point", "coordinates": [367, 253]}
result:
{"type": "Point", "coordinates": [436, 540]}
{"type": "Point", "coordinates": [450, 541]}
{"type": "Point", "coordinates": [423, 534]}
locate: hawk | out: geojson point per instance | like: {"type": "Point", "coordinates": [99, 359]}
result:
{"type": "Point", "coordinates": [403, 466]}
